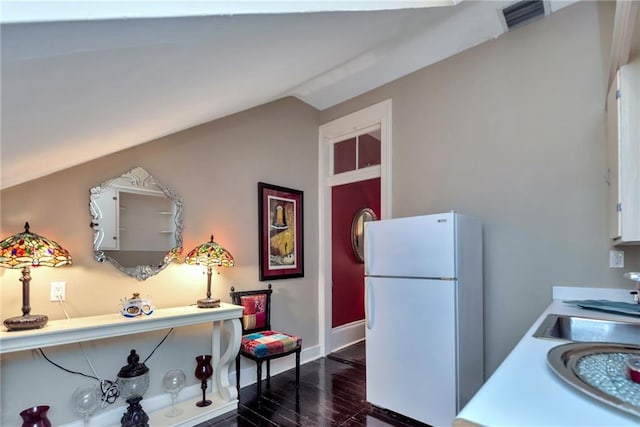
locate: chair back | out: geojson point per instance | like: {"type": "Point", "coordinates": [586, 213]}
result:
{"type": "Point", "coordinates": [257, 309]}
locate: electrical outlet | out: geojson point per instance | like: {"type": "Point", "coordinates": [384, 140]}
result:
{"type": "Point", "coordinates": [616, 259]}
{"type": "Point", "coordinates": [58, 289]}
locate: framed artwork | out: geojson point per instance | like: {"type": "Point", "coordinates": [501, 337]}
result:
{"type": "Point", "coordinates": [280, 228]}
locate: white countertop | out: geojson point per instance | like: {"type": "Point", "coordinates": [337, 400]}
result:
{"type": "Point", "coordinates": [524, 391]}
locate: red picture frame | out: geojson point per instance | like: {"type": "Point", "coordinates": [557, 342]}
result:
{"type": "Point", "coordinates": [280, 228]}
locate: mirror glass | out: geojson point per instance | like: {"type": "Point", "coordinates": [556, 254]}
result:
{"type": "Point", "coordinates": [137, 223]}
{"type": "Point", "coordinates": [357, 231]}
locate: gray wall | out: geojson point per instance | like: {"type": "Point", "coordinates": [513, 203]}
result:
{"type": "Point", "coordinates": [512, 131]}
{"type": "Point", "coordinates": [215, 168]}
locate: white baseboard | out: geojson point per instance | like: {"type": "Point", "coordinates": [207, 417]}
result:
{"type": "Point", "coordinates": [346, 335]}
{"type": "Point", "coordinates": [248, 375]}
{"type": "Point", "coordinates": [111, 416]}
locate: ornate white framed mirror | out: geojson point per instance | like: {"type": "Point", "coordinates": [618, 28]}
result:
{"type": "Point", "coordinates": [137, 223]}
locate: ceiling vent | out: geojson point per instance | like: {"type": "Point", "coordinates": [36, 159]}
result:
{"type": "Point", "coordinates": [522, 12]}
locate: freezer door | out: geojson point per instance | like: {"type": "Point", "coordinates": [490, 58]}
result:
{"type": "Point", "coordinates": [411, 351]}
{"type": "Point", "coordinates": [421, 246]}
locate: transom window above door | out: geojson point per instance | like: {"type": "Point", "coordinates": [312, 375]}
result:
{"type": "Point", "coordinates": [358, 152]}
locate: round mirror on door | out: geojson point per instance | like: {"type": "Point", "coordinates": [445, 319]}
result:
{"type": "Point", "coordinates": [357, 231]}
{"type": "Point", "coordinates": [137, 223]}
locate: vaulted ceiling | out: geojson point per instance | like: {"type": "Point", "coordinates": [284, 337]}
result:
{"type": "Point", "coordinates": [78, 82]}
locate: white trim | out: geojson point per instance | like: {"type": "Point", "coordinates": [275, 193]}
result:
{"type": "Point", "coordinates": [371, 118]}
{"type": "Point", "coordinates": [354, 133]}
{"type": "Point", "coordinates": [354, 176]}
{"type": "Point", "coordinates": [345, 335]}
{"type": "Point", "coordinates": [386, 162]}
{"type": "Point", "coordinates": [355, 123]}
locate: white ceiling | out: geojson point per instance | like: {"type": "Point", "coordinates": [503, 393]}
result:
{"type": "Point", "coordinates": [80, 83]}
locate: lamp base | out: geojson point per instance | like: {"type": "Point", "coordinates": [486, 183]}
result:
{"type": "Point", "coordinates": [28, 321]}
{"type": "Point", "coordinates": [209, 303]}
{"type": "Point", "coordinates": [135, 415]}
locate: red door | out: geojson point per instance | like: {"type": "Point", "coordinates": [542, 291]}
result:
{"type": "Point", "coordinates": [347, 270]}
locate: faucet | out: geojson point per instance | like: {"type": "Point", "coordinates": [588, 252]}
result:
{"type": "Point", "coordinates": [635, 276]}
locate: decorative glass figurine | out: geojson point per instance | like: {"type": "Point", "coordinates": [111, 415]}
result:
{"type": "Point", "coordinates": [172, 383]}
{"type": "Point", "coordinates": [135, 306]}
{"type": "Point", "coordinates": [204, 370]}
{"type": "Point", "coordinates": [35, 417]}
{"type": "Point", "coordinates": [85, 400]}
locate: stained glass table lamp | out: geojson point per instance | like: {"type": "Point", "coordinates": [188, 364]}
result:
{"type": "Point", "coordinates": [25, 250]}
{"type": "Point", "coordinates": [209, 254]}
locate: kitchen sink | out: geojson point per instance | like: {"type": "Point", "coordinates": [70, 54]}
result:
{"type": "Point", "coordinates": [584, 329]}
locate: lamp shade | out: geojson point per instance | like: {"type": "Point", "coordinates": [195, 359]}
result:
{"type": "Point", "coordinates": [29, 249]}
{"type": "Point", "coordinates": [210, 254]}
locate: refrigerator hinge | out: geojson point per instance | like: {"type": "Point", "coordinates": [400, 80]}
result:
{"type": "Point", "coordinates": [448, 278]}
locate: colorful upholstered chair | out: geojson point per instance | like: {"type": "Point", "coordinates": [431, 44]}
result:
{"type": "Point", "coordinates": [259, 342]}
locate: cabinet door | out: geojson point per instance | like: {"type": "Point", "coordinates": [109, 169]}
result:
{"type": "Point", "coordinates": [623, 104]}
{"type": "Point", "coordinates": [629, 146]}
{"type": "Point", "coordinates": [613, 196]}
{"type": "Point", "coordinates": [107, 209]}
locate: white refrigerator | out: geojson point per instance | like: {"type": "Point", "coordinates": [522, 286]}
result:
{"type": "Point", "coordinates": [424, 316]}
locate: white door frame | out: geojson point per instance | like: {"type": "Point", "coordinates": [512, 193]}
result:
{"type": "Point", "coordinates": [357, 123]}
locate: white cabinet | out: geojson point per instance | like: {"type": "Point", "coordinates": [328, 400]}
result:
{"type": "Point", "coordinates": [106, 212]}
{"type": "Point", "coordinates": [133, 220]}
{"type": "Point", "coordinates": [623, 128]}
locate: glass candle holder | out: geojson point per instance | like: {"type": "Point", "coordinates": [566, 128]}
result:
{"type": "Point", "coordinates": [85, 400]}
{"type": "Point", "coordinates": [172, 382]}
{"type": "Point", "coordinates": [35, 417]}
{"type": "Point", "coordinates": [204, 370]}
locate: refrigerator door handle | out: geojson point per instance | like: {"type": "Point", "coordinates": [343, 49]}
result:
{"type": "Point", "coordinates": [367, 303]}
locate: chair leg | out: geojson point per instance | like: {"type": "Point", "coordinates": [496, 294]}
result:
{"type": "Point", "coordinates": [297, 374]}
{"type": "Point", "coordinates": [238, 374]}
{"type": "Point", "coordinates": [259, 379]}
{"type": "Point", "coordinates": [268, 374]}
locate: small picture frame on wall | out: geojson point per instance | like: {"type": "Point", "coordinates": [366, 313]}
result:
{"type": "Point", "coordinates": [280, 229]}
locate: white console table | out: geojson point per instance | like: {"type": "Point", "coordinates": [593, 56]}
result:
{"type": "Point", "coordinates": [67, 331]}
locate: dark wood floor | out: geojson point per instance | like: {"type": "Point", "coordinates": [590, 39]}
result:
{"type": "Point", "coordinates": [332, 393]}
{"type": "Point", "coordinates": [353, 355]}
